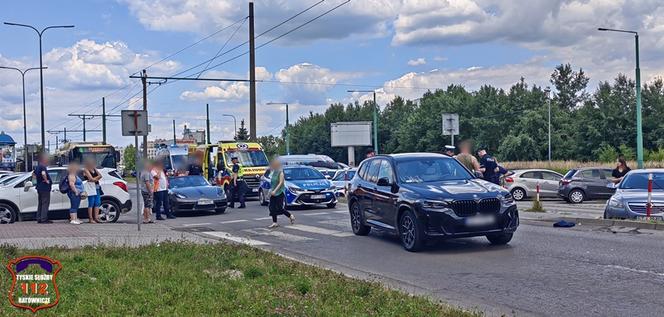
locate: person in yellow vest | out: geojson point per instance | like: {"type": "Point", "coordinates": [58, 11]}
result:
{"type": "Point", "coordinates": [238, 186]}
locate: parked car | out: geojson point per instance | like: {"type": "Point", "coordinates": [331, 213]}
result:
{"type": "Point", "coordinates": [305, 186]}
{"type": "Point", "coordinates": [419, 196]}
{"type": "Point", "coordinates": [194, 193]}
{"type": "Point", "coordinates": [523, 183]}
{"type": "Point", "coordinates": [18, 199]}
{"type": "Point", "coordinates": [8, 178]}
{"type": "Point", "coordinates": [586, 183]}
{"type": "Point", "coordinates": [342, 180]}
{"type": "Point", "coordinates": [322, 163]}
{"type": "Point", "coordinates": [629, 200]}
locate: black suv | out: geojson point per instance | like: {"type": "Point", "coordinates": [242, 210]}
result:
{"type": "Point", "coordinates": [422, 195]}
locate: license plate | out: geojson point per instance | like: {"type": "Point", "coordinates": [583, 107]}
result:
{"type": "Point", "coordinates": [254, 190]}
{"type": "Point", "coordinates": [317, 196]}
{"type": "Point", "coordinates": [644, 218]}
{"type": "Point", "coordinates": [480, 220]}
{"type": "Point", "coordinates": [205, 202]}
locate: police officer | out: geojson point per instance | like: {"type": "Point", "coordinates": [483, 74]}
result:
{"type": "Point", "coordinates": [238, 186]}
{"type": "Point", "coordinates": [449, 150]}
{"type": "Point", "coordinates": [488, 166]}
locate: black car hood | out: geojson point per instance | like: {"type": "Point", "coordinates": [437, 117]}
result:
{"type": "Point", "coordinates": [198, 192]}
{"type": "Point", "coordinates": [461, 189]}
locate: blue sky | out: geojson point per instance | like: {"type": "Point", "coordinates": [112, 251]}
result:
{"type": "Point", "coordinates": [400, 47]}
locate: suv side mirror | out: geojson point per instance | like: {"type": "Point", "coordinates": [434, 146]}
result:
{"type": "Point", "coordinates": [383, 182]}
{"type": "Point", "coordinates": [27, 186]}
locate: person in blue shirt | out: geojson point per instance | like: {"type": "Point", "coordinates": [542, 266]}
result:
{"type": "Point", "coordinates": [75, 192]}
{"type": "Point", "coordinates": [43, 186]}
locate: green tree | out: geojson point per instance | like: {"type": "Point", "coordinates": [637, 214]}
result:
{"type": "Point", "coordinates": [242, 133]}
{"type": "Point", "coordinates": [129, 158]}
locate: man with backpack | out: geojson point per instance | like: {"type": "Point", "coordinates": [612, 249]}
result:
{"type": "Point", "coordinates": [43, 187]}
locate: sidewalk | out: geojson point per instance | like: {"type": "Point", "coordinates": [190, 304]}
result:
{"type": "Point", "coordinates": [30, 235]}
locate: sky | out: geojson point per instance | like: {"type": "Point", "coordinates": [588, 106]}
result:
{"type": "Point", "coordinates": [396, 47]}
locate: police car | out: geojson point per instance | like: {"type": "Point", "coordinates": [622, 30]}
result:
{"type": "Point", "coordinates": [305, 186]}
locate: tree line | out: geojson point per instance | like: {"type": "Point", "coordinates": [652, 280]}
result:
{"type": "Point", "coordinates": [513, 124]}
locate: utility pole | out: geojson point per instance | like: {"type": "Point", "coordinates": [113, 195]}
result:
{"type": "Point", "coordinates": [144, 80]}
{"type": "Point", "coordinates": [547, 91]}
{"type": "Point", "coordinates": [252, 75]}
{"type": "Point", "coordinates": [84, 117]}
{"type": "Point", "coordinates": [65, 140]}
{"type": "Point", "coordinates": [287, 125]}
{"type": "Point", "coordinates": [234, 124]}
{"type": "Point", "coordinates": [174, 138]}
{"type": "Point", "coordinates": [103, 119]}
{"type": "Point", "coordinates": [207, 122]}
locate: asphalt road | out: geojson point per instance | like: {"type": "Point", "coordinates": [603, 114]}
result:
{"type": "Point", "coordinates": [587, 271]}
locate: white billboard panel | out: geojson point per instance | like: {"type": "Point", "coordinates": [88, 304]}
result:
{"type": "Point", "coordinates": [357, 133]}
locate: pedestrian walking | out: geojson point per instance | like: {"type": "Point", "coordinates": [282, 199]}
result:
{"type": "Point", "coordinates": [43, 187]}
{"type": "Point", "coordinates": [75, 192]}
{"type": "Point", "coordinates": [161, 191]}
{"type": "Point", "coordinates": [466, 158]}
{"type": "Point", "coordinates": [277, 204]}
{"type": "Point", "coordinates": [238, 186]}
{"type": "Point", "coordinates": [92, 189]}
{"type": "Point", "coordinates": [146, 183]}
{"type": "Point", "coordinates": [488, 166]}
{"type": "Point", "coordinates": [620, 171]}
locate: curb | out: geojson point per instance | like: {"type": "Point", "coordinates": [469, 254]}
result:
{"type": "Point", "coordinates": [606, 222]}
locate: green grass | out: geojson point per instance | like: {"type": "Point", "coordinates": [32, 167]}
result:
{"type": "Point", "coordinates": [182, 279]}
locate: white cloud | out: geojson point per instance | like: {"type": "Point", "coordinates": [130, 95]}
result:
{"type": "Point", "coordinates": [226, 91]}
{"type": "Point", "coordinates": [367, 17]}
{"type": "Point", "coordinates": [417, 61]}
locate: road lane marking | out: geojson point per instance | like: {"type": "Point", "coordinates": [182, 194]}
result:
{"type": "Point", "coordinates": [196, 224]}
{"type": "Point", "coordinates": [316, 214]}
{"type": "Point", "coordinates": [340, 212]}
{"type": "Point", "coordinates": [229, 237]}
{"type": "Point", "coordinates": [624, 268]}
{"type": "Point", "coordinates": [278, 234]}
{"type": "Point", "coordinates": [319, 230]}
{"type": "Point", "coordinates": [233, 221]}
{"type": "Point", "coordinates": [263, 218]}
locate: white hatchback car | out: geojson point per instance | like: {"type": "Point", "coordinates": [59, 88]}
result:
{"type": "Point", "coordinates": [18, 198]}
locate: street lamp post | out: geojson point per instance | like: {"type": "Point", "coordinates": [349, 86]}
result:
{"type": "Point", "coordinates": [639, 127]}
{"type": "Point", "coordinates": [375, 116]}
{"type": "Point", "coordinates": [547, 91]}
{"type": "Point", "coordinates": [25, 125]}
{"type": "Point", "coordinates": [41, 67]}
{"type": "Point", "coordinates": [287, 125]}
{"type": "Point", "coordinates": [234, 124]}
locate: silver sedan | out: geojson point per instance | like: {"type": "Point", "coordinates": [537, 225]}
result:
{"type": "Point", "coordinates": [631, 197]}
{"type": "Point", "coordinates": [523, 183]}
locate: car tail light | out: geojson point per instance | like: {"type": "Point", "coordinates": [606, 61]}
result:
{"type": "Point", "coordinates": [122, 186]}
{"type": "Point", "coordinates": [565, 181]}
{"type": "Point", "coordinates": [509, 180]}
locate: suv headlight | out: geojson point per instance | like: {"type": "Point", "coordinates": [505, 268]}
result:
{"type": "Point", "coordinates": [508, 199]}
{"type": "Point", "coordinates": [613, 202]}
{"type": "Point", "coordinates": [435, 204]}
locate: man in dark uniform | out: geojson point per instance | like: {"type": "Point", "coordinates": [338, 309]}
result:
{"type": "Point", "coordinates": [449, 150]}
{"type": "Point", "coordinates": [43, 188]}
{"type": "Point", "coordinates": [488, 166]}
{"type": "Point", "coordinates": [238, 186]}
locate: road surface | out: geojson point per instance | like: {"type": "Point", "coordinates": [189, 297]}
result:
{"type": "Point", "coordinates": [590, 271]}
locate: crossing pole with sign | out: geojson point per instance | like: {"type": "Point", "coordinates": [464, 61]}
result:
{"type": "Point", "coordinates": [135, 123]}
{"type": "Point", "coordinates": [451, 125]}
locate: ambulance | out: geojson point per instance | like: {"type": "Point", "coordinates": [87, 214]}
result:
{"type": "Point", "coordinates": [217, 159]}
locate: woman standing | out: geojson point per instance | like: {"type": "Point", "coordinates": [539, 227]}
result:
{"type": "Point", "coordinates": [277, 194]}
{"type": "Point", "coordinates": [93, 189]}
{"type": "Point", "coordinates": [620, 171]}
{"type": "Point", "coordinates": [75, 192]}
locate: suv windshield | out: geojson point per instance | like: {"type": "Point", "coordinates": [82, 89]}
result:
{"type": "Point", "coordinates": [187, 181]}
{"type": "Point", "coordinates": [249, 158]}
{"type": "Point", "coordinates": [640, 181]}
{"type": "Point", "coordinates": [424, 170]}
{"type": "Point", "coordinates": [294, 174]}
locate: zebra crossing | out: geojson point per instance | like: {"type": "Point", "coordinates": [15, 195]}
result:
{"type": "Point", "coordinates": [311, 225]}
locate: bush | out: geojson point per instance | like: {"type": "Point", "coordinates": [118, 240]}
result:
{"type": "Point", "coordinates": [627, 152]}
{"type": "Point", "coordinates": [606, 153]}
{"type": "Point", "coordinates": [655, 155]}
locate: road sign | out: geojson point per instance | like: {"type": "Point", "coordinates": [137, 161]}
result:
{"type": "Point", "coordinates": [450, 124]}
{"type": "Point", "coordinates": [134, 122]}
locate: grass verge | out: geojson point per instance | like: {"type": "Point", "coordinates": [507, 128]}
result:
{"type": "Point", "coordinates": [183, 279]}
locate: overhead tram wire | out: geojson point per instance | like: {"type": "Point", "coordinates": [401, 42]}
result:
{"type": "Point", "coordinates": [282, 35]}
{"type": "Point", "coordinates": [208, 61]}
{"type": "Point", "coordinates": [222, 47]}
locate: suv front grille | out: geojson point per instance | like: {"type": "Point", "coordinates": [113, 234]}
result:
{"type": "Point", "coordinates": [465, 208]}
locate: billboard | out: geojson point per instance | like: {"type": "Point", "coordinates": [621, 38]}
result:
{"type": "Point", "coordinates": [356, 133]}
